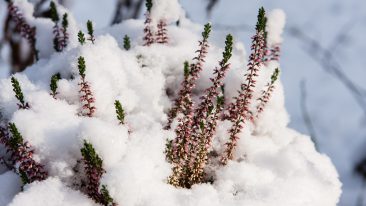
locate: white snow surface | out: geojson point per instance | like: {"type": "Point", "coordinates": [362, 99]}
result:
{"type": "Point", "coordinates": [274, 165]}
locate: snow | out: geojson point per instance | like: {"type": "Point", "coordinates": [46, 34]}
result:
{"type": "Point", "coordinates": [274, 165]}
{"type": "Point", "coordinates": [168, 10]}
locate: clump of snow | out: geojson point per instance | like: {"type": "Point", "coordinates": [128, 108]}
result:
{"type": "Point", "coordinates": [168, 10]}
{"type": "Point", "coordinates": [273, 164]}
{"type": "Point", "coordinates": [275, 26]}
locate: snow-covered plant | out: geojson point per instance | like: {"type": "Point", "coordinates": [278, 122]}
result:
{"type": "Point", "coordinates": [120, 112]}
{"type": "Point", "coordinates": [61, 36]}
{"type": "Point", "coordinates": [126, 42]}
{"type": "Point", "coordinates": [89, 26]}
{"type": "Point", "coordinates": [189, 151]}
{"type": "Point", "coordinates": [53, 85]}
{"type": "Point", "coordinates": [81, 38]}
{"type": "Point", "coordinates": [86, 95]}
{"type": "Point", "coordinates": [239, 110]}
{"type": "Point", "coordinates": [148, 33]}
{"type": "Point", "coordinates": [93, 165]}
{"type": "Point", "coordinates": [19, 94]}
{"type": "Point", "coordinates": [21, 156]}
{"type": "Point", "coordinates": [266, 93]}
{"type": "Point", "coordinates": [181, 103]}
{"type": "Point", "coordinates": [26, 31]}
{"type": "Point", "coordinates": [161, 34]}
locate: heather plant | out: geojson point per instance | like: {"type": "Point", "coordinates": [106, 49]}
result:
{"type": "Point", "coordinates": [182, 102]}
{"type": "Point", "coordinates": [266, 93]}
{"type": "Point", "coordinates": [120, 112]}
{"type": "Point", "coordinates": [94, 170]}
{"type": "Point", "coordinates": [21, 156]}
{"type": "Point", "coordinates": [161, 34]}
{"type": "Point", "coordinates": [239, 110]}
{"type": "Point", "coordinates": [148, 34]}
{"type": "Point", "coordinates": [25, 30]}
{"type": "Point", "coordinates": [61, 36]}
{"type": "Point", "coordinates": [19, 94]}
{"type": "Point", "coordinates": [189, 151]}
{"type": "Point", "coordinates": [53, 85]}
{"type": "Point", "coordinates": [89, 26]}
{"type": "Point", "coordinates": [81, 38]}
{"type": "Point", "coordinates": [126, 42]}
{"type": "Point", "coordinates": [86, 95]}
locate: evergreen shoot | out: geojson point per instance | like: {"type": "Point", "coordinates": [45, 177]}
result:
{"type": "Point", "coordinates": [53, 85]}
{"type": "Point", "coordinates": [19, 94]}
{"type": "Point", "coordinates": [86, 95]}
{"type": "Point", "coordinates": [126, 42]}
{"type": "Point", "coordinates": [120, 112]}
{"type": "Point", "coordinates": [81, 38]}
{"type": "Point", "coordinates": [93, 166]}
{"type": "Point", "coordinates": [148, 5]}
{"type": "Point", "coordinates": [53, 12]}
{"type": "Point", "coordinates": [16, 138]}
{"type": "Point", "coordinates": [90, 28]}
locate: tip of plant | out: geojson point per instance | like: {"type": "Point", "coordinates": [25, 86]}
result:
{"type": "Point", "coordinates": [262, 20]}
{"type": "Point", "coordinates": [65, 21]}
{"type": "Point", "coordinates": [228, 48]}
{"type": "Point", "coordinates": [275, 75]}
{"type": "Point", "coordinates": [186, 69]}
{"type": "Point", "coordinates": [207, 31]}
{"type": "Point", "coordinates": [81, 66]}
{"type": "Point", "coordinates": [149, 5]}
{"type": "Point", "coordinates": [54, 14]}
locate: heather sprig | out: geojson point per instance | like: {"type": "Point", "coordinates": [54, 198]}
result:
{"type": "Point", "coordinates": [24, 29]}
{"type": "Point", "coordinates": [19, 94]}
{"type": "Point", "coordinates": [187, 70]}
{"type": "Point", "coordinates": [65, 25]}
{"type": "Point", "coordinates": [94, 170]}
{"type": "Point", "coordinates": [120, 112]}
{"type": "Point", "coordinates": [148, 34]}
{"type": "Point", "coordinates": [267, 93]}
{"type": "Point", "coordinates": [189, 83]}
{"type": "Point", "coordinates": [126, 42]}
{"type": "Point", "coordinates": [89, 26]}
{"type": "Point", "coordinates": [86, 95]}
{"type": "Point", "coordinates": [239, 110]}
{"type": "Point", "coordinates": [53, 85]}
{"type": "Point", "coordinates": [81, 38]}
{"type": "Point", "coordinates": [21, 156]}
{"type": "Point", "coordinates": [162, 35]}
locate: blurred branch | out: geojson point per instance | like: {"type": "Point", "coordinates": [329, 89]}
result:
{"type": "Point", "coordinates": [306, 115]}
{"type": "Point", "coordinates": [211, 4]}
{"type": "Point", "coordinates": [325, 57]}
{"type": "Point", "coordinates": [127, 9]}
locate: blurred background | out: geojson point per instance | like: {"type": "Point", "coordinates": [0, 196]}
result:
{"type": "Point", "coordinates": [323, 65]}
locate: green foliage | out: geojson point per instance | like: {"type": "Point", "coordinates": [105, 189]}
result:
{"type": "Point", "coordinates": [275, 75]}
{"type": "Point", "coordinates": [149, 5]}
{"type": "Point", "coordinates": [54, 14]}
{"type": "Point", "coordinates": [187, 70]}
{"type": "Point", "coordinates": [228, 49]}
{"type": "Point", "coordinates": [65, 22]}
{"type": "Point", "coordinates": [126, 42]}
{"type": "Point", "coordinates": [262, 20]}
{"type": "Point", "coordinates": [18, 91]}
{"type": "Point", "coordinates": [81, 66]}
{"type": "Point", "coordinates": [106, 198]}
{"type": "Point", "coordinates": [120, 112]}
{"type": "Point", "coordinates": [23, 177]}
{"type": "Point", "coordinates": [89, 26]}
{"type": "Point", "coordinates": [16, 138]}
{"type": "Point", "coordinates": [53, 84]}
{"type": "Point", "coordinates": [81, 38]}
{"type": "Point", "coordinates": [206, 32]}
{"type": "Point", "coordinates": [90, 156]}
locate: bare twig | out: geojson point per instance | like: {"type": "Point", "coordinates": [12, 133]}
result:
{"type": "Point", "coordinates": [306, 115]}
{"type": "Point", "coordinates": [127, 9]}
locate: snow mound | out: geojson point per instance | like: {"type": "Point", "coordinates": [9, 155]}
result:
{"type": "Point", "coordinates": [274, 165]}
